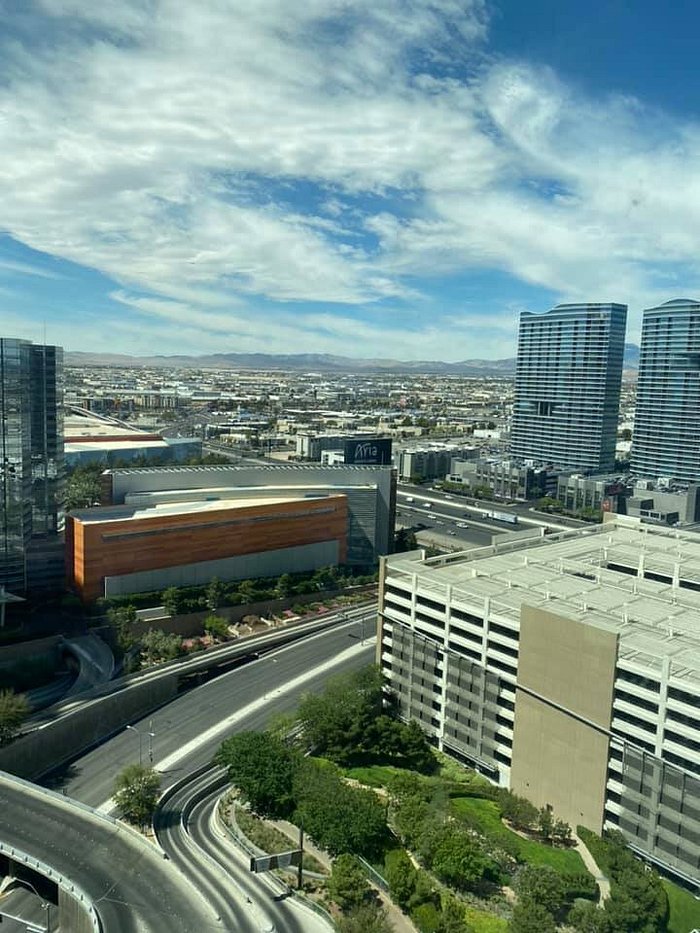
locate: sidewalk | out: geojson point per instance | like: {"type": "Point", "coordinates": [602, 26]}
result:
{"type": "Point", "coordinates": [398, 919]}
{"type": "Point", "coordinates": [592, 866]}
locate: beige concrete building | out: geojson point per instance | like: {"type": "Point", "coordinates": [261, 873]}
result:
{"type": "Point", "coordinates": [566, 668]}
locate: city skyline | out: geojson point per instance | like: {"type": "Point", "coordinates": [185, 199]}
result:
{"type": "Point", "coordinates": [397, 179]}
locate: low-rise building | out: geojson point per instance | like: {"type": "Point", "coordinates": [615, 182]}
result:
{"type": "Point", "coordinates": [431, 461]}
{"type": "Point", "coordinates": [157, 541]}
{"type": "Point", "coordinates": [665, 504]}
{"type": "Point", "coordinates": [90, 439]}
{"type": "Point", "coordinates": [370, 493]}
{"type": "Point", "coordinates": [566, 668]}
{"type": "Point", "coordinates": [600, 492]}
{"type": "Point", "coordinates": [507, 479]}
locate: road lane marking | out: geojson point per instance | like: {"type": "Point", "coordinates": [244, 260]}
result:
{"type": "Point", "coordinates": [167, 763]}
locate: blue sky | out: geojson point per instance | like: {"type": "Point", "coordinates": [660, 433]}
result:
{"type": "Point", "coordinates": [370, 178]}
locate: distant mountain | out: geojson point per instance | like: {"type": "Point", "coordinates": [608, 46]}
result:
{"type": "Point", "coordinates": [312, 362]}
{"type": "Point", "coordinates": [298, 362]}
{"type": "Point", "coordinates": [631, 358]}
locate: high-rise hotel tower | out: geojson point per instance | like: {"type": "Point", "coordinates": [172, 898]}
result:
{"type": "Point", "coordinates": [31, 464]}
{"type": "Point", "coordinates": [567, 386]}
{"type": "Point", "coordinates": [666, 440]}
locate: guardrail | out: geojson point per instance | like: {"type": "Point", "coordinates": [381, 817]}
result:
{"type": "Point", "coordinates": [73, 890]}
{"type": "Point", "coordinates": [214, 655]}
{"type": "Point", "coordinates": [239, 838]}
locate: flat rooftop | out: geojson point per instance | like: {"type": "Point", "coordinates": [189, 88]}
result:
{"type": "Point", "coordinates": [138, 511]}
{"type": "Point", "coordinates": [93, 426]}
{"type": "Point", "coordinates": [573, 574]}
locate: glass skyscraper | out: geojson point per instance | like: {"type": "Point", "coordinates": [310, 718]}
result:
{"type": "Point", "coordinates": [567, 386]}
{"type": "Point", "coordinates": [666, 439]}
{"type": "Point", "coordinates": [31, 460]}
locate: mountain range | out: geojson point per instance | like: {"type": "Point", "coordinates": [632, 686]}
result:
{"type": "Point", "coordinates": [313, 362]}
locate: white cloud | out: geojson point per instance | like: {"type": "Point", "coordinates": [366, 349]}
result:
{"type": "Point", "coordinates": [162, 143]}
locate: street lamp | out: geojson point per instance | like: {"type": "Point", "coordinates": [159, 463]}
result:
{"type": "Point", "coordinates": [151, 735]}
{"type": "Point", "coordinates": [45, 905]}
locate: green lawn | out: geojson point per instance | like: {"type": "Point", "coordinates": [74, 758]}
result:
{"type": "Point", "coordinates": [486, 816]}
{"type": "Point", "coordinates": [482, 922]}
{"type": "Point", "coordinates": [684, 909]}
{"type": "Point", "coordinates": [373, 775]}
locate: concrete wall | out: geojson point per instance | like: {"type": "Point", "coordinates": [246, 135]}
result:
{"type": "Point", "coordinates": [38, 752]}
{"type": "Point", "coordinates": [563, 703]}
{"type": "Point", "coordinates": [37, 648]}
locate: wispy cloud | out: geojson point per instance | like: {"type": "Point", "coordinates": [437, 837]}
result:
{"type": "Point", "coordinates": [219, 158]}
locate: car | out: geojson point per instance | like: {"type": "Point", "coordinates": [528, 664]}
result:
{"type": "Point", "coordinates": [451, 532]}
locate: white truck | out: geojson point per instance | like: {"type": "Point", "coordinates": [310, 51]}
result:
{"type": "Point", "coordinates": [503, 517]}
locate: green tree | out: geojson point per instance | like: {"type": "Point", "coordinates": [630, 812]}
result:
{"type": "Point", "coordinates": [337, 816]}
{"type": "Point", "coordinates": [262, 767]}
{"type": "Point", "coordinates": [453, 915]}
{"type": "Point", "coordinates": [246, 588]}
{"type": "Point", "coordinates": [561, 833]}
{"type": "Point", "coordinates": [216, 627]}
{"type": "Point", "coordinates": [404, 540]}
{"type": "Point", "coordinates": [83, 487]}
{"type": "Point", "coordinates": [638, 902]}
{"type": "Point", "coordinates": [367, 918]}
{"type": "Point", "coordinates": [214, 594]}
{"type": "Point", "coordinates": [285, 586]}
{"type": "Point", "coordinates": [335, 722]}
{"type": "Point", "coordinates": [401, 876]}
{"type": "Point", "coordinates": [532, 918]}
{"type": "Point", "coordinates": [172, 600]}
{"type": "Point", "coordinates": [426, 917]}
{"type": "Point", "coordinates": [347, 885]}
{"type": "Point", "coordinates": [157, 646]}
{"type": "Point", "coordinates": [540, 884]}
{"type": "Point", "coordinates": [457, 858]}
{"type": "Point", "coordinates": [136, 792]}
{"type": "Point", "coordinates": [14, 709]}
{"type": "Point", "coordinates": [517, 810]}
{"type": "Point", "coordinates": [589, 918]}
{"type": "Point", "coordinates": [545, 823]}
{"type": "Point", "coordinates": [123, 620]}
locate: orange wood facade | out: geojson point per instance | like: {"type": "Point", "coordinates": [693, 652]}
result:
{"type": "Point", "coordinates": [95, 550]}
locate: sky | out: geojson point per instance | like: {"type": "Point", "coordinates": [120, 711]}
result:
{"type": "Point", "coordinates": [370, 178]}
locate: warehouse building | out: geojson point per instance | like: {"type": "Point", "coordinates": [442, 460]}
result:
{"type": "Point", "coordinates": [567, 669]}
{"type": "Point", "coordinates": [153, 544]}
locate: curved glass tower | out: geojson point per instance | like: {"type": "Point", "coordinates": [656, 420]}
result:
{"type": "Point", "coordinates": [567, 386]}
{"type": "Point", "coordinates": [666, 439]}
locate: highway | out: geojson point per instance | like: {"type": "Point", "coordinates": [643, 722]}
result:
{"type": "Point", "coordinates": [188, 830]}
{"type": "Point", "coordinates": [189, 730]}
{"type": "Point", "coordinates": [187, 733]}
{"type": "Point", "coordinates": [133, 888]}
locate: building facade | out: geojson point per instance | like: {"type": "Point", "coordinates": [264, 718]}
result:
{"type": "Point", "coordinates": [431, 461]}
{"type": "Point", "coordinates": [32, 474]}
{"type": "Point", "coordinates": [666, 438]}
{"type": "Point", "coordinates": [507, 479]}
{"type": "Point", "coordinates": [370, 492]}
{"type": "Point", "coordinates": [154, 544]}
{"type": "Point", "coordinates": [567, 386]}
{"type": "Point", "coordinates": [567, 669]}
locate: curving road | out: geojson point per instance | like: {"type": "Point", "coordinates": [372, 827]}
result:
{"type": "Point", "coordinates": [118, 873]}
{"type": "Point", "coordinates": [188, 731]}
{"type": "Point", "coordinates": [188, 831]}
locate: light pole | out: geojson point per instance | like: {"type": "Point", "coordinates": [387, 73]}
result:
{"type": "Point", "coordinates": [45, 905]}
{"type": "Point", "coordinates": [138, 733]}
{"type": "Point", "coordinates": [151, 735]}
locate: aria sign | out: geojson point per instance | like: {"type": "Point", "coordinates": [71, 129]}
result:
{"type": "Point", "coordinates": [375, 451]}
